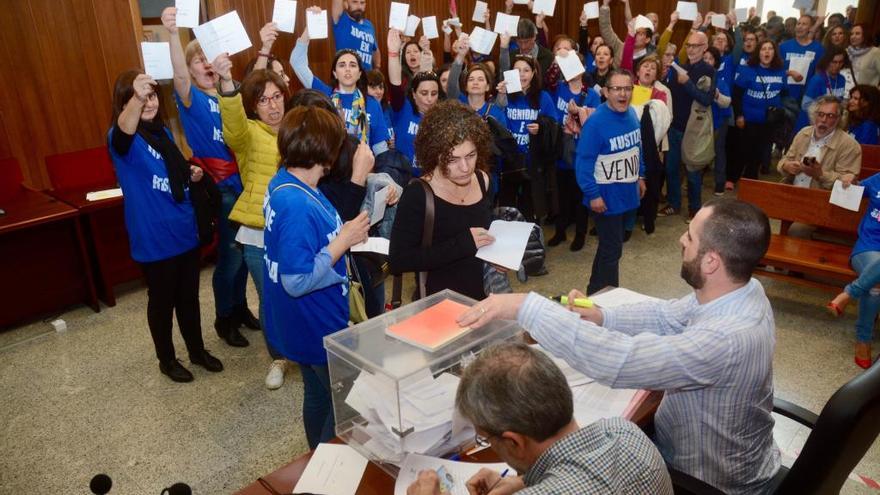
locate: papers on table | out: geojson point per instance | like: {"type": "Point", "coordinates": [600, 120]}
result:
{"type": "Point", "coordinates": [506, 23]}
{"type": "Point", "coordinates": [187, 13]}
{"type": "Point", "coordinates": [482, 40]}
{"type": "Point", "coordinates": [570, 65]}
{"type": "Point", "coordinates": [458, 473]}
{"type": "Point", "coordinates": [511, 80]}
{"type": "Point", "coordinates": [594, 401]}
{"type": "Point", "coordinates": [429, 27]}
{"type": "Point", "coordinates": [398, 16]}
{"type": "Point", "coordinates": [510, 242]}
{"type": "Point", "coordinates": [687, 11]}
{"type": "Point", "coordinates": [480, 11]}
{"type": "Point", "coordinates": [546, 7]}
{"type": "Point", "coordinates": [284, 14]}
{"type": "Point", "coordinates": [379, 245]}
{"type": "Point", "coordinates": [225, 34]}
{"type": "Point", "coordinates": [432, 328]}
{"type": "Point", "coordinates": [380, 199]}
{"type": "Point", "coordinates": [592, 10]}
{"type": "Point", "coordinates": [412, 23]}
{"type": "Point", "coordinates": [332, 470]}
{"type": "Point", "coordinates": [105, 194]}
{"type": "Point", "coordinates": [316, 24]}
{"type": "Point", "coordinates": [742, 15]}
{"type": "Point", "coordinates": [572, 376]}
{"type": "Point", "coordinates": [849, 198]}
{"type": "Point", "coordinates": [619, 297]}
{"type": "Point", "coordinates": [719, 21]}
{"type": "Point", "coordinates": [801, 65]}
{"type": "Point", "coordinates": [157, 60]}
{"type": "Point", "coordinates": [643, 22]}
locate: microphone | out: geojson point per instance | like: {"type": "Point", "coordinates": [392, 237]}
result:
{"type": "Point", "coordinates": [100, 484]}
{"type": "Point", "coordinates": [178, 489]}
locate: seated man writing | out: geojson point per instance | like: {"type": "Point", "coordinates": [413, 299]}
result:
{"type": "Point", "coordinates": [520, 403]}
{"type": "Point", "coordinates": [821, 153]}
{"type": "Point", "coordinates": [710, 351]}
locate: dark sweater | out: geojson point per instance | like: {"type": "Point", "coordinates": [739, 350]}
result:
{"type": "Point", "coordinates": [683, 95]}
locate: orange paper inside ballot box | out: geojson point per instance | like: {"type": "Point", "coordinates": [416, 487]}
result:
{"type": "Point", "coordinates": [432, 328]}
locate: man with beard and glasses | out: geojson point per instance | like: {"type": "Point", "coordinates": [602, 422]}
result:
{"type": "Point", "coordinates": [711, 351]}
{"type": "Point", "coordinates": [352, 31]}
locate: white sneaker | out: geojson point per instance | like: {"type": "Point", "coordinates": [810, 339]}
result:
{"type": "Point", "coordinates": [275, 377]}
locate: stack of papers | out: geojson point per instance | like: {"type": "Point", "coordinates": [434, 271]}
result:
{"type": "Point", "coordinates": [455, 473]}
{"type": "Point", "coordinates": [619, 297]}
{"type": "Point", "coordinates": [332, 470]}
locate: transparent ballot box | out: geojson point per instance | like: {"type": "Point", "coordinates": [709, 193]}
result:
{"type": "Point", "coordinates": [392, 397]}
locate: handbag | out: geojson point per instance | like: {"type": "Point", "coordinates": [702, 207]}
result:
{"type": "Point", "coordinates": [357, 306]}
{"type": "Point", "coordinates": [427, 237]}
{"type": "Point", "coordinates": [698, 142]}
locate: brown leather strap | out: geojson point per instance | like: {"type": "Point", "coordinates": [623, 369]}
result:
{"type": "Point", "coordinates": [427, 238]}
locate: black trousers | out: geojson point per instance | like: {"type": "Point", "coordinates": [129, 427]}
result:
{"type": "Point", "coordinates": [606, 264]}
{"type": "Point", "coordinates": [753, 151]}
{"type": "Point", "coordinates": [648, 206]}
{"type": "Point", "coordinates": [173, 285]}
{"type": "Point", "coordinates": [571, 203]}
{"type": "Point", "coordinates": [517, 192]}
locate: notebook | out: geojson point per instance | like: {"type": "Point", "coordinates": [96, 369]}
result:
{"type": "Point", "coordinates": [432, 328]}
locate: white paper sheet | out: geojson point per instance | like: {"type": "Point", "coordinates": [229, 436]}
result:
{"type": "Point", "coordinates": [157, 60]}
{"type": "Point", "coordinates": [187, 13]}
{"type": "Point", "coordinates": [511, 78]}
{"type": "Point", "coordinates": [687, 11]}
{"type": "Point", "coordinates": [429, 27]}
{"type": "Point", "coordinates": [742, 15]}
{"type": "Point", "coordinates": [455, 21]}
{"type": "Point", "coordinates": [801, 65]}
{"type": "Point", "coordinates": [570, 65]}
{"type": "Point", "coordinates": [802, 180]}
{"type": "Point", "coordinates": [398, 16]}
{"type": "Point", "coordinates": [595, 401]}
{"type": "Point", "coordinates": [592, 10]}
{"type": "Point", "coordinates": [719, 21]}
{"type": "Point", "coordinates": [373, 245]}
{"type": "Point", "coordinates": [849, 198]}
{"type": "Point", "coordinates": [380, 198]}
{"type": "Point", "coordinates": [802, 4]}
{"type": "Point", "coordinates": [104, 194]}
{"type": "Point", "coordinates": [506, 23]}
{"type": "Point", "coordinates": [546, 7]}
{"type": "Point", "coordinates": [643, 22]}
{"type": "Point", "coordinates": [412, 23]}
{"type": "Point", "coordinates": [510, 243]}
{"type": "Point", "coordinates": [284, 14]}
{"type": "Point", "coordinates": [619, 297]}
{"type": "Point", "coordinates": [222, 34]}
{"type": "Point", "coordinates": [480, 11]}
{"type": "Point", "coordinates": [460, 472]}
{"type": "Point", "coordinates": [332, 470]}
{"type": "Point", "coordinates": [316, 24]}
{"type": "Point", "coordinates": [520, 2]}
{"type": "Point", "coordinates": [482, 40]}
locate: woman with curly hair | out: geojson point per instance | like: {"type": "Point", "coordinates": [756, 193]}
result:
{"type": "Point", "coordinates": [863, 110]}
{"type": "Point", "coordinates": [453, 149]}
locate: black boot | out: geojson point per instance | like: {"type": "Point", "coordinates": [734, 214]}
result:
{"type": "Point", "coordinates": [557, 239]}
{"type": "Point", "coordinates": [578, 243]}
{"type": "Point", "coordinates": [174, 370]}
{"type": "Point", "coordinates": [627, 234]}
{"type": "Point", "coordinates": [228, 331]}
{"type": "Point", "coordinates": [245, 317]}
{"type": "Point", "coordinates": [206, 361]}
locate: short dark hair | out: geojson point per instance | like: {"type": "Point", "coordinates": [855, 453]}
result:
{"type": "Point", "coordinates": [739, 232]}
{"type": "Point", "coordinates": [716, 55]}
{"type": "Point", "coordinates": [649, 33]}
{"type": "Point", "coordinates": [477, 67]}
{"type": "Point", "coordinates": [253, 87]}
{"type": "Point", "coordinates": [445, 126]}
{"type": "Point", "coordinates": [617, 72]}
{"type": "Point", "coordinates": [375, 78]}
{"type": "Point", "coordinates": [417, 80]}
{"type": "Point", "coordinates": [831, 52]}
{"type": "Point", "coordinates": [123, 91]}
{"type": "Point", "coordinates": [513, 387]}
{"type": "Point", "coordinates": [310, 136]}
{"type": "Point", "coordinates": [755, 57]}
{"type": "Point", "coordinates": [362, 80]}
{"type": "Point", "coordinates": [312, 98]}
{"type": "Point", "coordinates": [526, 28]}
{"type": "Point", "coordinates": [269, 60]}
{"type": "Point", "coordinates": [341, 170]}
{"type": "Point", "coordinates": [533, 94]}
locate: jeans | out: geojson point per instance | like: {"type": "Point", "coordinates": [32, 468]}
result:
{"type": "Point", "coordinates": [721, 157]}
{"type": "Point", "coordinates": [230, 274]}
{"type": "Point", "coordinates": [317, 409]}
{"type": "Point", "coordinates": [867, 265]}
{"type": "Point", "coordinates": [253, 258]}
{"type": "Point", "coordinates": [673, 168]}
{"type": "Point", "coordinates": [606, 264]}
{"type": "Point", "coordinates": [695, 190]}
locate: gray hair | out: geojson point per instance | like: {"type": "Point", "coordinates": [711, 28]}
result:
{"type": "Point", "coordinates": [526, 29]}
{"type": "Point", "coordinates": [825, 100]}
{"type": "Point", "coordinates": [513, 387]}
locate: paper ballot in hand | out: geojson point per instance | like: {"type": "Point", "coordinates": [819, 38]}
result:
{"type": "Point", "coordinates": [570, 65]}
{"type": "Point", "coordinates": [719, 21]}
{"type": "Point", "coordinates": [592, 10]}
{"type": "Point", "coordinates": [157, 60]}
{"type": "Point", "coordinates": [801, 65]}
{"type": "Point", "coordinates": [511, 80]}
{"type": "Point", "coordinates": [187, 13]}
{"type": "Point", "coordinates": [284, 15]}
{"type": "Point", "coordinates": [412, 23]}
{"type": "Point", "coordinates": [429, 27]}
{"type": "Point", "coordinates": [480, 11]}
{"type": "Point", "coordinates": [510, 243]}
{"type": "Point", "coordinates": [546, 7]}
{"type": "Point", "coordinates": [506, 23]}
{"type": "Point", "coordinates": [398, 16]}
{"type": "Point", "coordinates": [482, 41]}
{"type": "Point", "coordinates": [849, 198]}
{"type": "Point", "coordinates": [687, 11]}
{"type": "Point", "coordinates": [316, 24]}
{"type": "Point", "coordinates": [225, 34]}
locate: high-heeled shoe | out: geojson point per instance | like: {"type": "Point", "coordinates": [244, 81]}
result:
{"type": "Point", "coordinates": [838, 305]}
{"type": "Point", "coordinates": [863, 355]}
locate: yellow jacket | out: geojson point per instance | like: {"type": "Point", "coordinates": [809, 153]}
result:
{"type": "Point", "coordinates": [256, 151]}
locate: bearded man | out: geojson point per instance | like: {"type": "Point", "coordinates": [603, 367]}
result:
{"type": "Point", "coordinates": [351, 30]}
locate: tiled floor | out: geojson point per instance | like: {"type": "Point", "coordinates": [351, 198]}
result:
{"type": "Point", "coordinates": [92, 400]}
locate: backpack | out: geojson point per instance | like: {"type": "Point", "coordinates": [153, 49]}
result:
{"type": "Point", "coordinates": [698, 143]}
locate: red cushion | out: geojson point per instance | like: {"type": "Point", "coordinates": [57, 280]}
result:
{"type": "Point", "coordinates": [81, 169]}
{"type": "Point", "coordinates": [10, 178]}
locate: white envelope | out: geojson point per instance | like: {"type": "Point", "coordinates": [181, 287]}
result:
{"type": "Point", "coordinates": [687, 11]}
{"type": "Point", "coordinates": [187, 13]}
{"type": "Point", "coordinates": [412, 23]}
{"type": "Point", "coordinates": [482, 40]}
{"type": "Point", "coordinates": [546, 7]}
{"type": "Point", "coordinates": [719, 21]}
{"type": "Point", "coordinates": [592, 10]}
{"type": "Point", "coordinates": [479, 11]}
{"type": "Point", "coordinates": [398, 16]}
{"type": "Point", "coordinates": [506, 23]}
{"type": "Point", "coordinates": [284, 14]}
{"type": "Point", "coordinates": [316, 24]}
{"type": "Point", "coordinates": [429, 27]}
{"type": "Point", "coordinates": [157, 60]}
{"type": "Point", "coordinates": [570, 66]}
{"type": "Point", "coordinates": [222, 34]}
{"type": "Point", "coordinates": [511, 77]}
{"type": "Point", "coordinates": [643, 22]}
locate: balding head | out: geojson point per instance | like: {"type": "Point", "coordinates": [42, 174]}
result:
{"type": "Point", "coordinates": [696, 46]}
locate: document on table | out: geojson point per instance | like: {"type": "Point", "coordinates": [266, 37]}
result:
{"type": "Point", "coordinates": [457, 472]}
{"type": "Point", "coordinates": [849, 198]}
{"type": "Point", "coordinates": [511, 80]}
{"type": "Point", "coordinates": [572, 376]}
{"type": "Point", "coordinates": [223, 34]}
{"type": "Point", "coordinates": [482, 41]}
{"type": "Point", "coordinates": [316, 24]}
{"type": "Point", "coordinates": [510, 243]}
{"type": "Point", "coordinates": [105, 194]}
{"type": "Point", "coordinates": [546, 7]}
{"type": "Point", "coordinates": [570, 65]}
{"type": "Point", "coordinates": [687, 11]}
{"type": "Point", "coordinates": [719, 21]}
{"type": "Point", "coordinates": [595, 401]}
{"type": "Point", "coordinates": [284, 14]}
{"type": "Point", "coordinates": [429, 27]}
{"type": "Point", "coordinates": [480, 9]}
{"type": "Point", "coordinates": [412, 23]}
{"type": "Point", "coordinates": [379, 245]}
{"type": "Point", "coordinates": [592, 10]}
{"type": "Point", "coordinates": [801, 65]}
{"type": "Point", "coordinates": [619, 297]}
{"type": "Point", "coordinates": [332, 470]}
{"type": "Point", "coordinates": [506, 23]}
{"type": "Point", "coordinates": [157, 60]}
{"type": "Point", "coordinates": [187, 13]}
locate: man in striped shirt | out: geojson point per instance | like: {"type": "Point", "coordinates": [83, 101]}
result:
{"type": "Point", "coordinates": [711, 351]}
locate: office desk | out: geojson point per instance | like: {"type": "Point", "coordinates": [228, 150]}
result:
{"type": "Point", "coordinates": [108, 239]}
{"type": "Point", "coordinates": [43, 258]}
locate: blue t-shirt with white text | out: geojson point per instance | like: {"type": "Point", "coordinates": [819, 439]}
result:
{"type": "Point", "coordinates": [406, 126]}
{"type": "Point", "coordinates": [792, 49]}
{"type": "Point", "coordinates": [869, 227]}
{"type": "Point", "coordinates": [763, 87]}
{"type": "Point", "coordinates": [520, 114]}
{"type": "Point", "coordinates": [357, 36]}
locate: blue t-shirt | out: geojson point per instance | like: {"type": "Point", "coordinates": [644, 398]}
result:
{"type": "Point", "coordinates": [819, 85]}
{"type": "Point", "coordinates": [299, 225]}
{"type": "Point", "coordinates": [720, 115]}
{"type": "Point", "coordinates": [586, 98]}
{"type": "Point", "coordinates": [357, 36]}
{"type": "Point", "coordinates": [866, 133]}
{"type": "Point", "coordinates": [494, 110]}
{"type": "Point", "coordinates": [204, 131]}
{"type": "Point", "coordinates": [608, 161]}
{"type": "Point", "coordinates": [158, 226]}
{"type": "Point", "coordinates": [869, 227]}
{"type": "Point", "coordinates": [406, 126]}
{"type": "Point", "coordinates": [520, 114]}
{"type": "Point", "coordinates": [763, 87]}
{"type": "Point", "coordinates": [792, 49]}
{"type": "Point", "coordinates": [725, 69]}
{"type": "Point", "coordinates": [377, 132]}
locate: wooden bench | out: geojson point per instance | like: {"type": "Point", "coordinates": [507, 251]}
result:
{"type": "Point", "coordinates": [870, 156]}
{"type": "Point", "coordinates": [866, 172]}
{"type": "Point", "coordinates": [822, 259]}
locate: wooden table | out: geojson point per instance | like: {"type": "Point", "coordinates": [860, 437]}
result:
{"type": "Point", "coordinates": [43, 258]}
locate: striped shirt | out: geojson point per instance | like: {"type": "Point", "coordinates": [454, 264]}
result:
{"type": "Point", "coordinates": [608, 456]}
{"type": "Point", "coordinates": [714, 361]}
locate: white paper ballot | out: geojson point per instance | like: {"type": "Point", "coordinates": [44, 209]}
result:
{"type": "Point", "coordinates": [455, 21]}
{"type": "Point", "coordinates": [412, 23]}
{"type": "Point", "coordinates": [104, 194]}
{"type": "Point", "coordinates": [592, 10]}
{"type": "Point", "coordinates": [687, 11]}
{"type": "Point", "coordinates": [619, 297]}
{"type": "Point", "coordinates": [719, 21]}
{"type": "Point", "coordinates": [373, 245]}
{"type": "Point", "coordinates": [316, 24]}
{"type": "Point", "coordinates": [380, 198]}
{"type": "Point", "coordinates": [570, 65]}
{"type": "Point", "coordinates": [802, 4]}
{"type": "Point", "coordinates": [546, 7]}
{"type": "Point", "coordinates": [187, 13]}
{"type": "Point", "coordinates": [398, 16]}
{"type": "Point", "coordinates": [482, 41]}
{"type": "Point", "coordinates": [284, 14]}
{"type": "Point", "coordinates": [801, 65]}
{"type": "Point", "coordinates": [742, 15]}
{"type": "Point", "coordinates": [429, 27]}
{"type": "Point", "coordinates": [157, 60]}
{"type": "Point", "coordinates": [480, 11]}
{"type": "Point", "coordinates": [849, 198]}
{"type": "Point", "coordinates": [223, 34]}
{"type": "Point", "coordinates": [643, 22]}
{"type": "Point", "coordinates": [510, 243]}
{"type": "Point", "coordinates": [332, 470]}
{"type": "Point", "coordinates": [511, 78]}
{"type": "Point", "coordinates": [506, 23]}
{"type": "Point", "coordinates": [520, 2]}
{"type": "Point", "coordinates": [458, 473]}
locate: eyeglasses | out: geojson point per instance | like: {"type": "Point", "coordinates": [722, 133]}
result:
{"type": "Point", "coordinates": [278, 98]}
{"type": "Point", "coordinates": [823, 115]}
{"type": "Point", "coordinates": [620, 89]}
{"type": "Point", "coordinates": [694, 45]}
{"type": "Point", "coordinates": [483, 442]}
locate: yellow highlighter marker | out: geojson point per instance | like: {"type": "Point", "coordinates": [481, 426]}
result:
{"type": "Point", "coordinates": [580, 302]}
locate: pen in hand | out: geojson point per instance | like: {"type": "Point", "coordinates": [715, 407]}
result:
{"type": "Point", "coordinates": [503, 474]}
